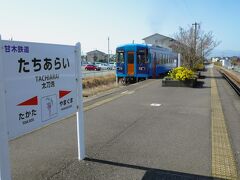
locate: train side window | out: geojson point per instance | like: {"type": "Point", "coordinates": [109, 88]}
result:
{"type": "Point", "coordinates": [146, 54]}
{"type": "Point", "coordinates": [120, 56]}
{"type": "Point", "coordinates": [160, 58]}
{"type": "Point", "coordinates": [142, 56]}
{"type": "Point", "coordinates": [155, 58]}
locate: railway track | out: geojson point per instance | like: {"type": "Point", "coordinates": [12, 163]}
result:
{"type": "Point", "coordinates": [232, 79]}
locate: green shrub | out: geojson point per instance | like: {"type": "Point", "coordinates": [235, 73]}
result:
{"type": "Point", "coordinates": [181, 73]}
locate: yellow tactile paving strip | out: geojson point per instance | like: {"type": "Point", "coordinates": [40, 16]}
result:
{"type": "Point", "coordinates": [223, 163]}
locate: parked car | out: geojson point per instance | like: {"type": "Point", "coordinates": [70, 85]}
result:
{"type": "Point", "coordinates": [97, 63]}
{"type": "Point", "coordinates": [90, 67]}
{"type": "Point", "coordinates": [112, 65]}
{"type": "Point", "coordinates": [105, 66]}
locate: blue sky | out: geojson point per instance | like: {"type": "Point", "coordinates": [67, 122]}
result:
{"type": "Point", "coordinates": [92, 21]}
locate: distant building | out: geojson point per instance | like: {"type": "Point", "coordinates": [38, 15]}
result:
{"type": "Point", "coordinates": [96, 55]}
{"type": "Point", "coordinates": [215, 59]}
{"type": "Point", "coordinates": [226, 62]}
{"type": "Point", "coordinates": [160, 40]}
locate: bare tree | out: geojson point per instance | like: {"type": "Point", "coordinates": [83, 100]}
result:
{"type": "Point", "coordinates": [193, 50]}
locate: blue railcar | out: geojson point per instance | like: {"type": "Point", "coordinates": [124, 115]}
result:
{"type": "Point", "coordinates": [138, 61]}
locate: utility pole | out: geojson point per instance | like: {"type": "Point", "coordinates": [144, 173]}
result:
{"type": "Point", "coordinates": [108, 50]}
{"type": "Point", "coordinates": [195, 42]}
{"type": "Point", "coordinates": [196, 25]}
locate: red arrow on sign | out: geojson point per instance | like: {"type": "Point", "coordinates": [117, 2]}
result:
{"type": "Point", "coordinates": [30, 102]}
{"type": "Point", "coordinates": [63, 93]}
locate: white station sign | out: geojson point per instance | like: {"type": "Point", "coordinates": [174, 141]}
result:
{"type": "Point", "coordinates": [40, 84]}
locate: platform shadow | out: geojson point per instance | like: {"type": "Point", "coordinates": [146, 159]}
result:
{"type": "Point", "coordinates": [199, 84]}
{"type": "Point", "coordinates": [173, 175]}
{"type": "Point", "coordinates": [153, 173]}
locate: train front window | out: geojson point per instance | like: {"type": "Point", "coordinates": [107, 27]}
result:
{"type": "Point", "coordinates": [120, 56]}
{"type": "Point", "coordinates": [130, 57]}
{"type": "Point", "coordinates": [142, 56]}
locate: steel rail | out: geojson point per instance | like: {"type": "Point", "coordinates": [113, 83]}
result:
{"type": "Point", "coordinates": [231, 81]}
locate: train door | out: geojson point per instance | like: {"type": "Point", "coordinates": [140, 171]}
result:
{"type": "Point", "coordinates": [130, 61]}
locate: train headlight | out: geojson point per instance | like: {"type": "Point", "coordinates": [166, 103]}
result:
{"type": "Point", "coordinates": [119, 68]}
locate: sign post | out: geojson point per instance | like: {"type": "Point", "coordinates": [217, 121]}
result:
{"type": "Point", "coordinates": [4, 150]}
{"type": "Point", "coordinates": [79, 113]}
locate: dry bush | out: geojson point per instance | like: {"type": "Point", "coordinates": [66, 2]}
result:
{"type": "Point", "coordinates": [93, 91]}
{"type": "Point", "coordinates": [91, 82]}
{"type": "Point", "coordinates": [94, 85]}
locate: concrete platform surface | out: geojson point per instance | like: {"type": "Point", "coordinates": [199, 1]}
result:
{"type": "Point", "coordinates": [126, 138]}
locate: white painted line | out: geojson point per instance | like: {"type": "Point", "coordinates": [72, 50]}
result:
{"type": "Point", "coordinates": [155, 105]}
{"type": "Point", "coordinates": [130, 92]}
{"type": "Point", "coordinates": [124, 92]}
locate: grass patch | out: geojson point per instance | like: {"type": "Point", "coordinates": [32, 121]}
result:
{"type": "Point", "coordinates": [95, 85]}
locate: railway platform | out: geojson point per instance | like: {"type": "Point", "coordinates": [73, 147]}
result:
{"type": "Point", "coordinates": [142, 131]}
